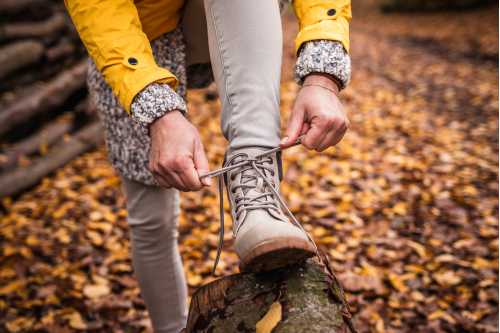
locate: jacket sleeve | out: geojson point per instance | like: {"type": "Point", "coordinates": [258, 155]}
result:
{"type": "Point", "coordinates": [323, 19]}
{"type": "Point", "coordinates": [113, 36]}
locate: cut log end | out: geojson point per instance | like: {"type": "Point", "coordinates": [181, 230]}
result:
{"type": "Point", "coordinates": [301, 298]}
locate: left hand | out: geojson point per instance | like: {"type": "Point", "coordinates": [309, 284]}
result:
{"type": "Point", "coordinates": [317, 114]}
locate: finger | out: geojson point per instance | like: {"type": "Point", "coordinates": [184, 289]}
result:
{"type": "Point", "coordinates": [177, 182]}
{"type": "Point", "coordinates": [305, 128]}
{"type": "Point", "coordinates": [294, 127]}
{"type": "Point", "coordinates": [333, 137]}
{"type": "Point", "coordinates": [184, 169]}
{"type": "Point", "coordinates": [327, 141]}
{"type": "Point", "coordinates": [201, 163]}
{"type": "Point", "coordinates": [314, 137]}
{"type": "Point", "coordinates": [172, 178]}
{"type": "Point", "coordinates": [190, 178]}
{"type": "Point", "coordinates": [163, 181]}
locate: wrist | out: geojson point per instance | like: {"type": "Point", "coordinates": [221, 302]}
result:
{"type": "Point", "coordinates": [323, 79]}
{"type": "Point", "coordinates": [170, 117]}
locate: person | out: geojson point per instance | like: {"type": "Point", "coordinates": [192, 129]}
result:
{"type": "Point", "coordinates": [144, 55]}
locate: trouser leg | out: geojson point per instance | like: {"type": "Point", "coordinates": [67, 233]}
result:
{"type": "Point", "coordinates": [152, 215]}
{"type": "Point", "coordinates": [245, 41]}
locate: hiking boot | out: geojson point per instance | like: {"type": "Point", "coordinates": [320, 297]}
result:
{"type": "Point", "coordinates": [264, 237]}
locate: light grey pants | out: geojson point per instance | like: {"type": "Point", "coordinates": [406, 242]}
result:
{"type": "Point", "coordinates": [245, 41]}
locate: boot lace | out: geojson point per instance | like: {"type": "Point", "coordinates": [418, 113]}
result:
{"type": "Point", "coordinates": [252, 192]}
{"type": "Point", "coordinates": [253, 172]}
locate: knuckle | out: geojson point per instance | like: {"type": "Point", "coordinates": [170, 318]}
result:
{"type": "Point", "coordinates": [328, 121]}
{"type": "Point", "coordinates": [307, 144]}
{"type": "Point", "coordinates": [163, 162]}
{"type": "Point", "coordinates": [181, 162]}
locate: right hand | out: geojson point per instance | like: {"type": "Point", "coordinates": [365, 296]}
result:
{"type": "Point", "coordinates": [177, 158]}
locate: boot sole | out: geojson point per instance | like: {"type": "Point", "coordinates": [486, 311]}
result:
{"type": "Point", "coordinates": [276, 253]}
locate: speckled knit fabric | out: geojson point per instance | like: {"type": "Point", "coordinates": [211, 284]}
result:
{"type": "Point", "coordinates": [323, 56]}
{"type": "Point", "coordinates": [127, 137]}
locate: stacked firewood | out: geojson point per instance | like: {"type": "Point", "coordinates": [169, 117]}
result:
{"type": "Point", "coordinates": [45, 117]}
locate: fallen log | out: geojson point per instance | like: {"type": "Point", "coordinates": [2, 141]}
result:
{"type": "Point", "coordinates": [33, 29]}
{"type": "Point", "coordinates": [49, 96]}
{"type": "Point", "coordinates": [42, 139]}
{"type": "Point", "coordinates": [16, 6]}
{"type": "Point", "coordinates": [14, 182]}
{"type": "Point", "coordinates": [18, 55]}
{"type": "Point", "coordinates": [297, 299]}
{"type": "Point", "coordinates": [63, 49]}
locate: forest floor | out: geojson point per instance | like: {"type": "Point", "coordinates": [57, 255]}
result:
{"type": "Point", "coordinates": [406, 205]}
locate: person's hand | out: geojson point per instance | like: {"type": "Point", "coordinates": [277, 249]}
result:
{"type": "Point", "coordinates": [177, 158]}
{"type": "Point", "coordinates": [317, 114]}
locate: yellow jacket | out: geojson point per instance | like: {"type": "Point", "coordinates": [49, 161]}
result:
{"type": "Point", "coordinates": [116, 34]}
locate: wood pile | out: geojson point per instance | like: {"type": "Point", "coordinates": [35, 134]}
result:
{"type": "Point", "coordinates": [45, 117]}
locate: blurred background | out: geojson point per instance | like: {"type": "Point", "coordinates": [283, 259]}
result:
{"type": "Point", "coordinates": [406, 206]}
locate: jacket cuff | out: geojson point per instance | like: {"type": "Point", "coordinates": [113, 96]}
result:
{"type": "Point", "coordinates": [154, 101]}
{"type": "Point", "coordinates": [323, 56]}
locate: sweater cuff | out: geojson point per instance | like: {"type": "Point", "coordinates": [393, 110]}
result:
{"type": "Point", "coordinates": [323, 56]}
{"type": "Point", "coordinates": [155, 101]}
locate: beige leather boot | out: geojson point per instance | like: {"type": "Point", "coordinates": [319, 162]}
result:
{"type": "Point", "coordinates": [265, 238]}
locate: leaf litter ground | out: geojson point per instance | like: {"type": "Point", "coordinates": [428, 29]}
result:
{"type": "Point", "coordinates": [406, 206]}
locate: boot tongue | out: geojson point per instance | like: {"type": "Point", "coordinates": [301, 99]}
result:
{"type": "Point", "coordinates": [256, 184]}
{"type": "Point", "coordinates": [250, 176]}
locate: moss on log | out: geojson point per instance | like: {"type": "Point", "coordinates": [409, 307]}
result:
{"type": "Point", "coordinates": [310, 297]}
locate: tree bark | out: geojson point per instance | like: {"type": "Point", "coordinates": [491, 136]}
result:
{"type": "Point", "coordinates": [310, 300]}
{"type": "Point", "coordinates": [18, 55]}
{"type": "Point", "coordinates": [49, 96]}
{"type": "Point", "coordinates": [12, 183]}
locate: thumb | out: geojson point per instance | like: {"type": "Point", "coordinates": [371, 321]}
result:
{"type": "Point", "coordinates": [201, 163]}
{"type": "Point", "coordinates": [294, 128]}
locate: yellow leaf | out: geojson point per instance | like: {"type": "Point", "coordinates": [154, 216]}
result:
{"type": "Point", "coordinates": [481, 263]}
{"type": "Point", "coordinates": [96, 290]}
{"type": "Point", "coordinates": [417, 296]}
{"type": "Point", "coordinates": [76, 321]}
{"type": "Point", "coordinates": [440, 314]}
{"type": "Point", "coordinates": [7, 272]}
{"type": "Point", "coordinates": [12, 287]}
{"type": "Point", "coordinates": [31, 240]}
{"type": "Point", "coordinates": [400, 208]}
{"type": "Point", "coordinates": [419, 248]}
{"type": "Point", "coordinates": [63, 236]}
{"type": "Point", "coordinates": [194, 279]}
{"type": "Point", "coordinates": [95, 237]}
{"type": "Point", "coordinates": [21, 324]}
{"type": "Point", "coordinates": [447, 278]}
{"type": "Point", "coordinates": [273, 316]}
{"type": "Point", "coordinates": [398, 282]}
{"type": "Point", "coordinates": [48, 319]}
{"type": "Point", "coordinates": [103, 226]}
